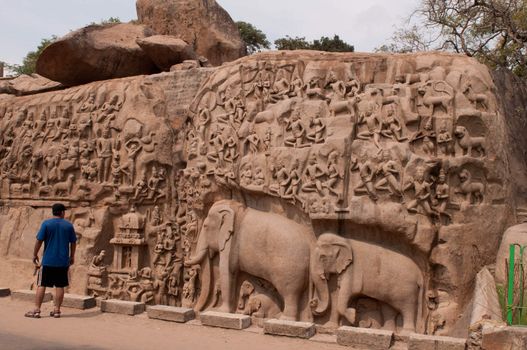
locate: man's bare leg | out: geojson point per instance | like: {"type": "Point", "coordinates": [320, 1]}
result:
{"type": "Point", "coordinates": [59, 297]}
{"type": "Point", "coordinates": [39, 297]}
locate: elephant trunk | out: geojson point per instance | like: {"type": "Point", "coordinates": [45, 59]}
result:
{"type": "Point", "coordinates": [319, 305]}
{"type": "Point", "coordinates": [201, 252]}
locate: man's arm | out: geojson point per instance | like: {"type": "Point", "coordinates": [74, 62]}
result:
{"type": "Point", "coordinates": [73, 246]}
{"type": "Point", "coordinates": [38, 244]}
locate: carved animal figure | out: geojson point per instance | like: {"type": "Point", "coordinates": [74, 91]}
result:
{"type": "Point", "coordinates": [262, 244]}
{"type": "Point", "coordinates": [365, 269]}
{"type": "Point", "coordinates": [481, 99]}
{"type": "Point", "coordinates": [437, 93]}
{"type": "Point", "coordinates": [473, 191]}
{"type": "Point", "coordinates": [64, 187]}
{"type": "Point", "coordinates": [467, 142]}
{"type": "Point", "coordinates": [256, 304]}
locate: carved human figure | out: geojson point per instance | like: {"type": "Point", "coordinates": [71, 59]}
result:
{"type": "Point", "coordinates": [428, 136]}
{"type": "Point", "coordinates": [422, 193]}
{"type": "Point", "coordinates": [141, 188]}
{"type": "Point", "coordinates": [389, 173]}
{"type": "Point", "coordinates": [318, 130]}
{"type": "Point", "coordinates": [281, 86]}
{"type": "Point", "coordinates": [105, 148]}
{"type": "Point", "coordinates": [268, 139]}
{"type": "Point", "coordinates": [259, 177]}
{"type": "Point", "coordinates": [281, 175]}
{"type": "Point", "coordinates": [217, 141]}
{"type": "Point", "coordinates": [253, 141]}
{"type": "Point", "coordinates": [373, 123]}
{"type": "Point", "coordinates": [293, 184]}
{"type": "Point", "coordinates": [392, 125]}
{"type": "Point", "coordinates": [313, 174]}
{"type": "Point", "coordinates": [445, 142]}
{"type": "Point", "coordinates": [367, 170]}
{"type": "Point", "coordinates": [442, 194]}
{"type": "Point", "coordinates": [334, 174]}
{"type": "Point", "coordinates": [231, 149]}
{"type": "Point", "coordinates": [246, 175]}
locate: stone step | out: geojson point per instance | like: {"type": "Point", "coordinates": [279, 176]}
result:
{"type": "Point", "coordinates": [303, 330]}
{"type": "Point", "coordinates": [429, 342]}
{"type": "Point", "coordinates": [78, 301]}
{"type": "Point", "coordinates": [4, 292]}
{"type": "Point", "coordinates": [29, 295]}
{"type": "Point", "coordinates": [170, 313]}
{"type": "Point", "coordinates": [122, 307]}
{"type": "Point", "coordinates": [366, 338]}
{"type": "Point", "coordinates": [225, 320]}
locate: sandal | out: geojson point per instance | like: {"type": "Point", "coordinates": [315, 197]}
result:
{"type": "Point", "coordinates": [55, 314]}
{"type": "Point", "coordinates": [33, 314]}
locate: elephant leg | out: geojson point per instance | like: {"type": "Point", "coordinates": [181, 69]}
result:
{"type": "Point", "coordinates": [227, 282]}
{"type": "Point", "coordinates": [389, 317]}
{"type": "Point", "coordinates": [408, 312]}
{"type": "Point", "coordinates": [290, 307]}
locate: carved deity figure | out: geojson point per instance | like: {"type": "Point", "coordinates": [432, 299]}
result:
{"type": "Point", "coordinates": [367, 171]}
{"type": "Point", "coordinates": [388, 172]}
{"type": "Point", "coordinates": [428, 136]}
{"type": "Point", "coordinates": [105, 148]}
{"type": "Point", "coordinates": [298, 132]}
{"type": "Point", "coordinates": [445, 142]}
{"type": "Point", "coordinates": [422, 193]}
{"type": "Point", "coordinates": [312, 176]}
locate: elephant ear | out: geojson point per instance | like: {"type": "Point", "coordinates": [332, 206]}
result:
{"type": "Point", "coordinates": [343, 258]}
{"type": "Point", "coordinates": [226, 226]}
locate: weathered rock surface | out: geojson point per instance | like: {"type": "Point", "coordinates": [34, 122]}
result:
{"type": "Point", "coordinates": [166, 51]}
{"type": "Point", "coordinates": [203, 24]}
{"type": "Point", "coordinates": [485, 302]}
{"type": "Point", "coordinates": [394, 167]}
{"type": "Point", "coordinates": [514, 235]}
{"type": "Point", "coordinates": [97, 52]}
{"type": "Point", "coordinates": [28, 85]}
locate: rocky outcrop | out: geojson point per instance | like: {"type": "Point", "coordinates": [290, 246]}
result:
{"type": "Point", "coordinates": [27, 85]}
{"type": "Point", "coordinates": [202, 23]}
{"type": "Point", "coordinates": [97, 52]}
{"type": "Point", "coordinates": [166, 51]}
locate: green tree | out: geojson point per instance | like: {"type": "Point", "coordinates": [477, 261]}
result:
{"type": "Point", "coordinates": [334, 44]}
{"type": "Point", "coordinates": [493, 31]}
{"type": "Point", "coordinates": [29, 63]}
{"type": "Point", "coordinates": [255, 40]}
{"type": "Point", "coordinates": [111, 20]}
{"type": "Point", "coordinates": [289, 43]}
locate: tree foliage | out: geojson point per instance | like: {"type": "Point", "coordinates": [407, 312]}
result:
{"type": "Point", "coordinates": [29, 63]}
{"type": "Point", "coordinates": [335, 44]}
{"type": "Point", "coordinates": [255, 40]}
{"type": "Point", "coordinates": [493, 31]}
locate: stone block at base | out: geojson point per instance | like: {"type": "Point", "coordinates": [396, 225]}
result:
{"type": "Point", "coordinates": [504, 338]}
{"type": "Point", "coordinates": [364, 338]}
{"type": "Point", "coordinates": [122, 307]}
{"type": "Point", "coordinates": [303, 330]}
{"type": "Point", "coordinates": [225, 320]}
{"type": "Point", "coordinates": [29, 295]}
{"type": "Point", "coordinates": [429, 342]}
{"type": "Point", "coordinates": [5, 292]}
{"type": "Point", "coordinates": [78, 301]}
{"type": "Point", "coordinates": [170, 313]}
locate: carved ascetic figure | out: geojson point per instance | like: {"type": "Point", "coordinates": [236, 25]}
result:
{"type": "Point", "coordinates": [248, 240]}
{"type": "Point", "coordinates": [398, 280]}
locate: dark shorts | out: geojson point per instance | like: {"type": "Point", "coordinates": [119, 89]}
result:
{"type": "Point", "coordinates": [50, 276]}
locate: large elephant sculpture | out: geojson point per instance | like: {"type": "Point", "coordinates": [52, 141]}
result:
{"type": "Point", "coordinates": [369, 270]}
{"type": "Point", "coordinates": [262, 244]}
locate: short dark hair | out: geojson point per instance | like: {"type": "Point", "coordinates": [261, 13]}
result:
{"type": "Point", "coordinates": [57, 209]}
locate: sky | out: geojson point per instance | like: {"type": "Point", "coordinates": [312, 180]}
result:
{"type": "Point", "coordinates": [366, 24]}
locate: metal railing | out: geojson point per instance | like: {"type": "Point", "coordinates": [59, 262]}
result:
{"type": "Point", "coordinates": [516, 309]}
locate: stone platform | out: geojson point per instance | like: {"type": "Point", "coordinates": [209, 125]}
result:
{"type": "Point", "coordinates": [366, 338]}
{"type": "Point", "coordinates": [122, 307]}
{"type": "Point", "coordinates": [170, 313]}
{"type": "Point", "coordinates": [81, 302]}
{"type": "Point", "coordinates": [4, 292]}
{"type": "Point", "coordinates": [428, 342]}
{"type": "Point", "coordinates": [225, 320]}
{"type": "Point", "coordinates": [303, 330]}
{"type": "Point", "coordinates": [29, 295]}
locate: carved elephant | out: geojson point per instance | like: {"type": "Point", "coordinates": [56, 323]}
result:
{"type": "Point", "coordinates": [366, 269]}
{"type": "Point", "coordinates": [265, 245]}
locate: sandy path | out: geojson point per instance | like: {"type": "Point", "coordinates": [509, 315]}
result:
{"type": "Point", "coordinates": [93, 330]}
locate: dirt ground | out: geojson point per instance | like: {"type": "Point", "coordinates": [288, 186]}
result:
{"type": "Point", "coordinates": [93, 330]}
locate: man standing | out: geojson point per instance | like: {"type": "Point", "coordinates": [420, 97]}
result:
{"type": "Point", "coordinates": [59, 240]}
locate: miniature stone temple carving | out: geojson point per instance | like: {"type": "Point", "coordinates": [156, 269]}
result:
{"type": "Point", "coordinates": [330, 188]}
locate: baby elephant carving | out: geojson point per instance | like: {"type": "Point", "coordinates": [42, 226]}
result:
{"type": "Point", "coordinates": [467, 142]}
{"type": "Point", "coordinates": [253, 303]}
{"type": "Point", "coordinates": [366, 270]}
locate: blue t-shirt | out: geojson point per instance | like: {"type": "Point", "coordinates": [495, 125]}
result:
{"type": "Point", "coordinates": [57, 235]}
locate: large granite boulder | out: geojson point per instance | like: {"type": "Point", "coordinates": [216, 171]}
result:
{"type": "Point", "coordinates": [97, 53]}
{"type": "Point", "coordinates": [203, 24]}
{"type": "Point", "coordinates": [166, 51]}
